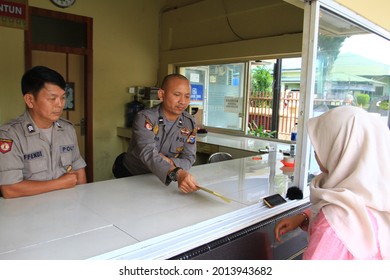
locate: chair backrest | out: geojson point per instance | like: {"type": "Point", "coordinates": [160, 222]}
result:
{"type": "Point", "coordinates": [219, 156]}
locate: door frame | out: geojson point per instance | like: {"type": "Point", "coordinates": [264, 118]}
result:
{"type": "Point", "coordinates": [88, 71]}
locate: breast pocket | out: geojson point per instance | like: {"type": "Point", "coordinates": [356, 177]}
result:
{"type": "Point", "coordinates": [176, 149]}
{"type": "Point", "coordinates": [66, 160]}
{"type": "Point", "coordinates": [36, 170]}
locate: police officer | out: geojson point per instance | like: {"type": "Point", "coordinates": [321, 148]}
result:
{"type": "Point", "coordinates": [38, 150]}
{"type": "Point", "coordinates": [163, 139]}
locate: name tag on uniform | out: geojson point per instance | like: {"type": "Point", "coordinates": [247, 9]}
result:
{"type": "Point", "coordinates": [33, 155]}
{"type": "Point", "coordinates": [66, 149]}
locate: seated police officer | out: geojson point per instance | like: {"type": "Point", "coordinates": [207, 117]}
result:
{"type": "Point", "coordinates": [38, 150]}
{"type": "Point", "coordinates": [163, 139]}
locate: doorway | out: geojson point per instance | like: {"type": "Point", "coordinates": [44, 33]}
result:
{"type": "Point", "coordinates": [63, 42]}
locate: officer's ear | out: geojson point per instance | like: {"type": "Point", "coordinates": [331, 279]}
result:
{"type": "Point", "coordinates": [29, 99]}
{"type": "Point", "coordinates": [160, 93]}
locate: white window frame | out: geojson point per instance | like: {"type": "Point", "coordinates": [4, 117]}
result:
{"type": "Point", "coordinates": [309, 53]}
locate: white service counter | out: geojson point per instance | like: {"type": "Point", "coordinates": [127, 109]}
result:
{"type": "Point", "coordinates": [138, 217]}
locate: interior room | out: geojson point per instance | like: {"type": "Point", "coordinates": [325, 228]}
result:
{"type": "Point", "coordinates": [313, 56]}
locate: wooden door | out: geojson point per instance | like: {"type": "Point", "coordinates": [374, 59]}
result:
{"type": "Point", "coordinates": [64, 42]}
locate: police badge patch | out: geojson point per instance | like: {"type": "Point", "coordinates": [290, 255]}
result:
{"type": "Point", "coordinates": [148, 125]}
{"type": "Point", "coordinates": [5, 145]}
{"type": "Point", "coordinates": [185, 131]}
{"type": "Point", "coordinates": [179, 151]}
{"type": "Point", "coordinates": [191, 139]}
{"type": "Point", "coordinates": [155, 129]}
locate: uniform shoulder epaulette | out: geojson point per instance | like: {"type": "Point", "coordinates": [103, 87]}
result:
{"type": "Point", "coordinates": [65, 121]}
{"type": "Point", "coordinates": [8, 125]}
{"type": "Point", "coordinates": [149, 112]}
{"type": "Point", "coordinates": [191, 117]}
{"type": "Point", "coordinates": [188, 115]}
{"type": "Point", "coordinates": [5, 127]}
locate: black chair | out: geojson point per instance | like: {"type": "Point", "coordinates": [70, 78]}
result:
{"type": "Point", "coordinates": [219, 156]}
{"type": "Point", "coordinates": [118, 169]}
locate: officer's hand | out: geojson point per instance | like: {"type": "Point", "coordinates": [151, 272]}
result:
{"type": "Point", "coordinates": [68, 180]}
{"type": "Point", "coordinates": [186, 182]}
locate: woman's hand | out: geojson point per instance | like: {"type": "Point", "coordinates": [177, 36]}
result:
{"type": "Point", "coordinates": [288, 224]}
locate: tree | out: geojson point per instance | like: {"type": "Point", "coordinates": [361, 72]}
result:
{"type": "Point", "coordinates": [261, 79]}
{"type": "Point", "coordinates": [362, 99]}
{"type": "Point", "coordinates": [327, 52]}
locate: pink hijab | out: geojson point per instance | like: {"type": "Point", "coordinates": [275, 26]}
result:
{"type": "Point", "coordinates": [354, 146]}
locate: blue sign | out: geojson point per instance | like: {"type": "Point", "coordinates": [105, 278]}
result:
{"type": "Point", "coordinates": [196, 92]}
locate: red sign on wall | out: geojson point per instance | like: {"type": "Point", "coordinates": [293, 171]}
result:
{"type": "Point", "coordinates": [13, 13]}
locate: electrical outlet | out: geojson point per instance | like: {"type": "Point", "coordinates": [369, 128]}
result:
{"type": "Point", "coordinates": [136, 90]}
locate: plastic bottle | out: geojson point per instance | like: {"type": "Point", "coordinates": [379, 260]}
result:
{"type": "Point", "coordinates": [292, 150]}
{"type": "Point", "coordinates": [294, 132]}
{"type": "Point", "coordinates": [132, 108]}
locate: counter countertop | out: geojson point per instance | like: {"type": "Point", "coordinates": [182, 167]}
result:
{"type": "Point", "coordinates": [138, 217]}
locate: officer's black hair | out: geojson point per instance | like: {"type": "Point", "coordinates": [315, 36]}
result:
{"type": "Point", "coordinates": [35, 78]}
{"type": "Point", "coordinates": [171, 76]}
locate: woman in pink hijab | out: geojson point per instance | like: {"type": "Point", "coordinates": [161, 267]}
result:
{"type": "Point", "coordinates": [350, 213]}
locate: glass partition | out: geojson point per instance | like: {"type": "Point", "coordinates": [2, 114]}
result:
{"type": "Point", "coordinates": [218, 93]}
{"type": "Point", "coordinates": [352, 69]}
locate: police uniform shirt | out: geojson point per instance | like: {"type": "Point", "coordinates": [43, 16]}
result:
{"type": "Point", "coordinates": [151, 137]}
{"type": "Point", "coordinates": [25, 153]}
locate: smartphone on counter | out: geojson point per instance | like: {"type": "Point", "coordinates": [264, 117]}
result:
{"type": "Point", "coordinates": [274, 200]}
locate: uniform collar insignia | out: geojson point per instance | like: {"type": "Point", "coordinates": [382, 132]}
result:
{"type": "Point", "coordinates": [30, 128]}
{"type": "Point", "coordinates": [58, 124]}
{"type": "Point", "coordinates": [160, 120]}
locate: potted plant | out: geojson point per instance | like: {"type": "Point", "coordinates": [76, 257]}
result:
{"type": "Point", "coordinates": [257, 130]}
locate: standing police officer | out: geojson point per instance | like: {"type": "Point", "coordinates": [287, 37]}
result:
{"type": "Point", "coordinates": [39, 151]}
{"type": "Point", "coordinates": [163, 139]}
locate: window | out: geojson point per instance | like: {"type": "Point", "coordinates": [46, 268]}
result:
{"type": "Point", "coordinates": [59, 32]}
{"type": "Point", "coordinates": [275, 87]}
{"type": "Point", "coordinates": [224, 102]}
{"type": "Point", "coordinates": [218, 93]}
{"type": "Point", "coordinates": [349, 71]}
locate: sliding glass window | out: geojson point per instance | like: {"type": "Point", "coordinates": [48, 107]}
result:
{"type": "Point", "coordinates": [255, 98]}
{"type": "Point", "coordinates": [352, 69]}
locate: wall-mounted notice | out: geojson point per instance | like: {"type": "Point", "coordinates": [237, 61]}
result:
{"type": "Point", "coordinates": [194, 78]}
{"type": "Point", "coordinates": [14, 13]}
{"type": "Point", "coordinates": [232, 104]}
